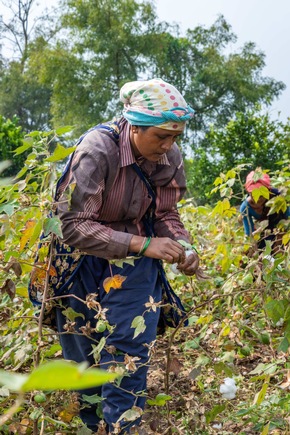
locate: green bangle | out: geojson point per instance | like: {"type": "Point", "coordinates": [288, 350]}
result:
{"type": "Point", "coordinates": [195, 249]}
{"type": "Point", "coordinates": [146, 244]}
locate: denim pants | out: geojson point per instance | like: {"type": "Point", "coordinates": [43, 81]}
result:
{"type": "Point", "coordinates": [122, 305]}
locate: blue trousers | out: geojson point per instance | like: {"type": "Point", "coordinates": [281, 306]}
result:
{"type": "Point", "coordinates": [123, 306]}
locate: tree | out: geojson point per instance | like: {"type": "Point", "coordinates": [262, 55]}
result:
{"type": "Point", "coordinates": [21, 94]}
{"type": "Point", "coordinates": [106, 43]}
{"type": "Point", "coordinates": [11, 136]}
{"type": "Point", "coordinates": [249, 137]}
{"type": "Point", "coordinates": [215, 81]}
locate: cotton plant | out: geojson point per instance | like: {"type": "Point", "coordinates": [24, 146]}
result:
{"type": "Point", "coordinates": [228, 389]}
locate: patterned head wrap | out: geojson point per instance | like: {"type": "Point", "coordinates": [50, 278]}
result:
{"type": "Point", "coordinates": [155, 103]}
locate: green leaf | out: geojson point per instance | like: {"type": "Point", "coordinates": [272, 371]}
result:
{"type": "Point", "coordinates": [260, 396]}
{"type": "Point", "coordinates": [202, 360]}
{"type": "Point", "coordinates": [71, 314]}
{"type": "Point", "coordinates": [191, 344]}
{"type": "Point", "coordinates": [160, 400]}
{"type": "Point", "coordinates": [26, 145]}
{"type": "Point", "coordinates": [244, 411]}
{"type": "Point", "coordinates": [220, 367]}
{"type": "Point", "coordinates": [92, 399]}
{"type": "Point", "coordinates": [248, 279]}
{"type": "Point", "coordinates": [139, 324]}
{"type": "Point", "coordinates": [264, 368]}
{"type": "Point", "coordinates": [63, 130]}
{"type": "Point", "coordinates": [60, 153]}
{"type": "Point", "coordinates": [52, 225]}
{"type": "Point", "coordinates": [275, 310]}
{"type": "Point", "coordinates": [284, 345]}
{"type": "Point", "coordinates": [261, 191]}
{"type": "Point", "coordinates": [185, 244]}
{"type": "Point", "coordinates": [211, 415]}
{"type": "Point", "coordinates": [36, 233]}
{"type": "Point", "coordinates": [65, 375]}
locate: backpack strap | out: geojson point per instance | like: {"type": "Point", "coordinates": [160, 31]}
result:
{"type": "Point", "coordinates": [111, 129]}
{"type": "Point", "coordinates": [173, 312]}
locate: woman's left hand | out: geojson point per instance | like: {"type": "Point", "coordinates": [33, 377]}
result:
{"type": "Point", "coordinates": [189, 264]}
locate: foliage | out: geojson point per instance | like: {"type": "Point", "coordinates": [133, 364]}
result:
{"type": "Point", "coordinates": [23, 97]}
{"type": "Point", "coordinates": [250, 137]}
{"type": "Point", "coordinates": [71, 67]}
{"type": "Point", "coordinates": [21, 94]}
{"type": "Point", "coordinates": [11, 136]}
{"type": "Point", "coordinates": [239, 322]}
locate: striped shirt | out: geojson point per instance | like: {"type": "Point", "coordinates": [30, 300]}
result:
{"type": "Point", "coordinates": [102, 199]}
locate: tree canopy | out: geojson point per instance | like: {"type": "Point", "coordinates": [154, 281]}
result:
{"type": "Point", "coordinates": [70, 65]}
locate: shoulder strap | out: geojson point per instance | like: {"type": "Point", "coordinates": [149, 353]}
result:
{"type": "Point", "coordinates": [148, 218]}
{"type": "Point", "coordinates": [111, 129]}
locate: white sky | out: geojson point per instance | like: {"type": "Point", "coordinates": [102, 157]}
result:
{"type": "Point", "coordinates": [264, 22]}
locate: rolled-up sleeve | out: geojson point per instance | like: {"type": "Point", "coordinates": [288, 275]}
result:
{"type": "Point", "coordinates": [79, 208]}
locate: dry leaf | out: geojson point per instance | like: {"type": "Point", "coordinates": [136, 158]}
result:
{"type": "Point", "coordinates": [14, 265]}
{"type": "Point", "coordinates": [9, 288]}
{"type": "Point", "coordinates": [38, 274]}
{"type": "Point", "coordinates": [175, 366]}
{"type": "Point", "coordinates": [114, 282]}
{"type": "Point", "coordinates": [285, 385]}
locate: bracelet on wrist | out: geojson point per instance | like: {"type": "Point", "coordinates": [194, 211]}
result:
{"type": "Point", "coordinates": [144, 246]}
{"type": "Point", "coordinates": [192, 247]}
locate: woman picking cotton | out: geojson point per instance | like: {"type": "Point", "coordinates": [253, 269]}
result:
{"type": "Point", "coordinates": [256, 208]}
{"type": "Point", "coordinates": [118, 198]}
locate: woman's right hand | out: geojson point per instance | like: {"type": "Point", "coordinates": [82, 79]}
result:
{"type": "Point", "coordinates": [164, 248]}
{"type": "Point", "coordinates": [161, 248]}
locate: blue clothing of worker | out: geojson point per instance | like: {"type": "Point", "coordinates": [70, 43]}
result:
{"type": "Point", "coordinates": [249, 214]}
{"type": "Point", "coordinates": [123, 306]}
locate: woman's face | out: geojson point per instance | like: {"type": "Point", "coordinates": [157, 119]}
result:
{"type": "Point", "coordinates": [153, 142]}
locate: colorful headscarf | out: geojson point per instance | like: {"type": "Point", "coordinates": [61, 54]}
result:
{"type": "Point", "coordinates": [155, 103]}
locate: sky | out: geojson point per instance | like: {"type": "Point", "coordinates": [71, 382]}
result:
{"type": "Point", "coordinates": [264, 22]}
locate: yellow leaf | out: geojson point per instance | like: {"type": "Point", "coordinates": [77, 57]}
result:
{"type": "Point", "coordinates": [286, 238]}
{"type": "Point", "coordinates": [113, 282]}
{"type": "Point", "coordinates": [27, 233]}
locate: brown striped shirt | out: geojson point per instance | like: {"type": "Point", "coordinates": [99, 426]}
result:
{"type": "Point", "coordinates": [103, 200]}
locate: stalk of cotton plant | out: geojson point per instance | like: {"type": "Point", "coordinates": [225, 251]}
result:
{"type": "Point", "coordinates": [228, 389]}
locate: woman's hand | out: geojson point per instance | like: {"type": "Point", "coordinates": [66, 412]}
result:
{"type": "Point", "coordinates": [164, 248]}
{"type": "Point", "coordinates": [190, 264]}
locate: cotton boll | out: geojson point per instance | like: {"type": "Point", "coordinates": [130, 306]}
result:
{"type": "Point", "coordinates": [217, 426]}
{"type": "Point", "coordinates": [174, 266]}
{"type": "Point", "coordinates": [228, 389]}
{"type": "Point", "coordinates": [270, 258]}
{"type": "Point", "coordinates": [229, 396]}
{"type": "Point", "coordinates": [174, 269]}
